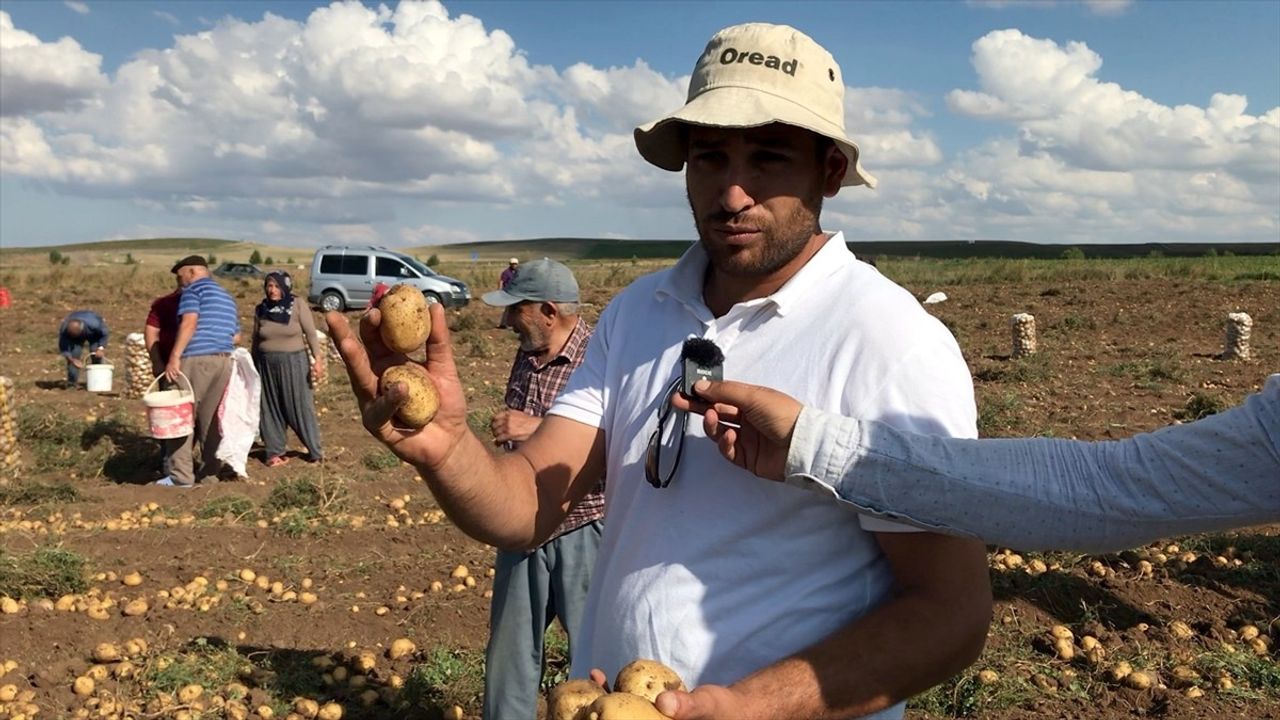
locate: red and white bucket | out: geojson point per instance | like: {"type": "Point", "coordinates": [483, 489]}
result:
{"type": "Point", "coordinates": [170, 413]}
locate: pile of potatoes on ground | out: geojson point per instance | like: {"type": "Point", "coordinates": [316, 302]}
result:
{"type": "Point", "coordinates": [405, 325]}
{"type": "Point", "coordinates": [634, 691]}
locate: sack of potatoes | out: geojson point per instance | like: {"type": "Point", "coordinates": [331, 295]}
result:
{"type": "Point", "coordinates": [634, 691]}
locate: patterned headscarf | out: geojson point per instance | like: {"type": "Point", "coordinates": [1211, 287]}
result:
{"type": "Point", "coordinates": [281, 310]}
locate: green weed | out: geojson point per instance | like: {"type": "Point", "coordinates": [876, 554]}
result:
{"type": "Point", "coordinates": [380, 460]}
{"type": "Point", "coordinates": [47, 572]}
{"type": "Point", "coordinates": [32, 493]}
{"type": "Point", "coordinates": [236, 506]}
{"type": "Point", "coordinates": [1200, 405]}
{"type": "Point", "coordinates": [447, 677]}
{"type": "Point", "coordinates": [207, 664]}
{"type": "Point", "coordinates": [998, 413]}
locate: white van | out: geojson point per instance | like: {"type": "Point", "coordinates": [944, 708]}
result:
{"type": "Point", "coordinates": [344, 276]}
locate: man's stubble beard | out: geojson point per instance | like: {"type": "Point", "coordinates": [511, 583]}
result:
{"type": "Point", "coordinates": [783, 241]}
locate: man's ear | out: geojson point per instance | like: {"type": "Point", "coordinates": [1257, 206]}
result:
{"type": "Point", "coordinates": [834, 168]}
{"type": "Point", "coordinates": [548, 309]}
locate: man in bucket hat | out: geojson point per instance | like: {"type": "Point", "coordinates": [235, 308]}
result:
{"type": "Point", "coordinates": [764, 597]}
{"type": "Point", "coordinates": [531, 588]}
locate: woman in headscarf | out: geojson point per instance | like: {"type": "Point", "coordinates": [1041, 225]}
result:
{"type": "Point", "coordinates": [280, 327]}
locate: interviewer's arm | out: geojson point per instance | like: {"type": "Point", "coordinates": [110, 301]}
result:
{"type": "Point", "coordinates": [1214, 474]}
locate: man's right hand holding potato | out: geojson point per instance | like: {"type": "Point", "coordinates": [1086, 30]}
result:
{"type": "Point", "coordinates": [368, 357]}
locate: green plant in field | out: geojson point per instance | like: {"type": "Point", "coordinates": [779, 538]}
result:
{"type": "Point", "coordinates": [480, 347]}
{"type": "Point", "coordinates": [256, 257]}
{"type": "Point", "coordinates": [998, 413]}
{"type": "Point", "coordinates": [270, 260]}
{"type": "Point", "coordinates": [55, 257]}
{"type": "Point", "coordinates": [48, 572]}
{"type": "Point", "coordinates": [447, 677]}
{"type": "Point", "coordinates": [1073, 253]}
{"type": "Point", "coordinates": [234, 505]}
{"type": "Point", "coordinates": [212, 259]}
{"type": "Point", "coordinates": [298, 493]}
{"type": "Point", "coordinates": [32, 493]}
{"type": "Point", "coordinates": [1150, 372]}
{"type": "Point", "coordinates": [433, 261]}
{"type": "Point", "coordinates": [556, 648]}
{"type": "Point", "coordinates": [380, 460]}
{"type": "Point", "coordinates": [211, 665]}
{"type": "Point", "coordinates": [1030, 369]}
{"type": "Point", "coordinates": [1256, 677]}
{"type": "Point", "coordinates": [1200, 405]}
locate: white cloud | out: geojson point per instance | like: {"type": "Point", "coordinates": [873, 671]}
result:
{"type": "Point", "coordinates": [167, 17]}
{"type": "Point", "coordinates": [1107, 157]}
{"type": "Point", "coordinates": [77, 7]}
{"type": "Point", "coordinates": [1053, 96]}
{"type": "Point", "coordinates": [435, 235]}
{"type": "Point", "coordinates": [319, 130]}
{"type": "Point", "coordinates": [38, 76]}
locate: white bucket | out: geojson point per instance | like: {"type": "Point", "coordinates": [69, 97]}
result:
{"type": "Point", "coordinates": [98, 377]}
{"type": "Point", "coordinates": [170, 413]}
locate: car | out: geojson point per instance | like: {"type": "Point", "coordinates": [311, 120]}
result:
{"type": "Point", "coordinates": [239, 270]}
{"type": "Point", "coordinates": [344, 276]}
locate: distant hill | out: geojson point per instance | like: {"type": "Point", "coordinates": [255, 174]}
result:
{"type": "Point", "coordinates": [132, 245]}
{"type": "Point", "coordinates": [614, 249]}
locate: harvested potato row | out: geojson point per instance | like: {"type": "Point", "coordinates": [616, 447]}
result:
{"type": "Point", "coordinates": [137, 366]}
{"type": "Point", "coordinates": [406, 323]}
{"type": "Point", "coordinates": [424, 398]}
{"type": "Point", "coordinates": [8, 429]}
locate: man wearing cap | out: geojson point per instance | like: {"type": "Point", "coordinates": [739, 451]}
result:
{"type": "Point", "coordinates": [79, 330]}
{"type": "Point", "coordinates": [769, 600]}
{"type": "Point", "coordinates": [207, 333]}
{"type": "Point", "coordinates": [531, 588]}
{"type": "Point", "coordinates": [513, 269]}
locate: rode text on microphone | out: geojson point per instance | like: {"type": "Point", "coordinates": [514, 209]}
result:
{"type": "Point", "coordinates": [701, 359]}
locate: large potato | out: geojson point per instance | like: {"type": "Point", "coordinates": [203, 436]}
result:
{"type": "Point", "coordinates": [569, 698]}
{"type": "Point", "coordinates": [424, 398]}
{"type": "Point", "coordinates": [622, 706]}
{"type": "Point", "coordinates": [405, 320]}
{"type": "Point", "coordinates": [647, 678]}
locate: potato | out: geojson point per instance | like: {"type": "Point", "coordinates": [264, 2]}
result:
{"type": "Point", "coordinates": [569, 697]}
{"type": "Point", "coordinates": [405, 320]}
{"type": "Point", "coordinates": [622, 706]}
{"type": "Point", "coordinates": [424, 398]}
{"type": "Point", "coordinates": [647, 678]}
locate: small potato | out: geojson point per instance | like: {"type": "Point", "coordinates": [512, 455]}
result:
{"type": "Point", "coordinates": [622, 706]}
{"type": "Point", "coordinates": [568, 698]}
{"type": "Point", "coordinates": [648, 679]}
{"type": "Point", "coordinates": [405, 320]}
{"type": "Point", "coordinates": [424, 398]}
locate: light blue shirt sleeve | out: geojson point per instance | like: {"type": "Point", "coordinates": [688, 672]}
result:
{"type": "Point", "coordinates": [1218, 473]}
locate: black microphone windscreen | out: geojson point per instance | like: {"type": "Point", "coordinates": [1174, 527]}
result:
{"type": "Point", "coordinates": [702, 351]}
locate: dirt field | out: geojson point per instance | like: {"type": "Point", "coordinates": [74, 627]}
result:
{"type": "Point", "coordinates": [363, 557]}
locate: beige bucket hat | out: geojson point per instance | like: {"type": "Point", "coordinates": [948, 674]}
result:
{"type": "Point", "coordinates": [752, 75]}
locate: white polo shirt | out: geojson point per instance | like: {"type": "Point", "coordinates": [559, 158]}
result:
{"type": "Point", "coordinates": [722, 573]}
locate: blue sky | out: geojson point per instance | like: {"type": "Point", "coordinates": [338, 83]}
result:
{"type": "Point", "coordinates": [304, 123]}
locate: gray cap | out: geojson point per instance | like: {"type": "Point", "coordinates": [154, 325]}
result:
{"type": "Point", "coordinates": [537, 281]}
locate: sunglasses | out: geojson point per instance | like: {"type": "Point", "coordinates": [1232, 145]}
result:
{"type": "Point", "coordinates": [666, 444]}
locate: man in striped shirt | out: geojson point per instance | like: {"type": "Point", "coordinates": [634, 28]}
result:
{"type": "Point", "coordinates": [207, 333]}
{"type": "Point", "coordinates": [530, 589]}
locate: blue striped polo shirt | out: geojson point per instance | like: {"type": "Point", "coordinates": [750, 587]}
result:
{"type": "Point", "coordinates": [219, 319]}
